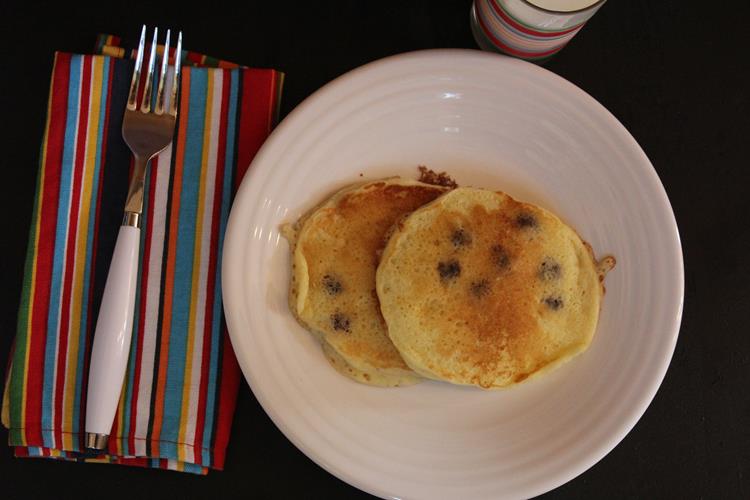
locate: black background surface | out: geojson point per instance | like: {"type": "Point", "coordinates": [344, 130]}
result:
{"type": "Point", "coordinates": [673, 72]}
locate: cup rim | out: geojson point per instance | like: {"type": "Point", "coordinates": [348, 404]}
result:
{"type": "Point", "coordinates": [563, 12]}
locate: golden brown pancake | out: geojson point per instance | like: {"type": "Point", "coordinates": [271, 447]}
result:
{"type": "Point", "coordinates": [376, 377]}
{"type": "Point", "coordinates": [479, 289]}
{"type": "Point", "coordinates": [336, 249]}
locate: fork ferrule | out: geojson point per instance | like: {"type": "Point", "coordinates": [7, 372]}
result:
{"type": "Point", "coordinates": [132, 219]}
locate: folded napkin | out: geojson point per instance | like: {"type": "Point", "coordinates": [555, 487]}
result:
{"type": "Point", "coordinates": [181, 385]}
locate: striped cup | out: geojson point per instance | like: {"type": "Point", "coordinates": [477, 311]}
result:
{"type": "Point", "coordinates": [529, 29]}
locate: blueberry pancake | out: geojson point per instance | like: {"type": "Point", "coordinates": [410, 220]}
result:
{"type": "Point", "coordinates": [335, 252]}
{"type": "Point", "coordinates": [372, 377]}
{"type": "Point", "coordinates": [479, 289]}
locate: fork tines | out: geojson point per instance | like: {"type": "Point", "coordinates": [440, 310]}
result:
{"type": "Point", "coordinates": [148, 87]}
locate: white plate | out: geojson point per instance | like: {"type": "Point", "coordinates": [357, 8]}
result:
{"type": "Point", "coordinates": [493, 122]}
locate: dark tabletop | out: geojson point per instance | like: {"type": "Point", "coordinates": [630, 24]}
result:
{"type": "Point", "coordinates": [676, 75]}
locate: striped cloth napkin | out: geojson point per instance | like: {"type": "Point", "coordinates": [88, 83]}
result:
{"type": "Point", "coordinates": [181, 385]}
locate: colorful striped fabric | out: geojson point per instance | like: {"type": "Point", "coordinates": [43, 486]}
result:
{"type": "Point", "coordinates": [512, 35]}
{"type": "Point", "coordinates": [181, 385]}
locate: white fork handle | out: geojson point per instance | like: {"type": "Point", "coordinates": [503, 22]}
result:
{"type": "Point", "coordinates": [114, 328]}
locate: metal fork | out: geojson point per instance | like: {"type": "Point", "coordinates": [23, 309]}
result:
{"type": "Point", "coordinates": [147, 132]}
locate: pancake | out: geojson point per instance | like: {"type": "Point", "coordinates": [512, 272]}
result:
{"type": "Point", "coordinates": [479, 289]}
{"type": "Point", "coordinates": [378, 378]}
{"type": "Point", "coordinates": [336, 248]}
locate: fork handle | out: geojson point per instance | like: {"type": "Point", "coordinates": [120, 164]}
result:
{"type": "Point", "coordinates": [114, 328]}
